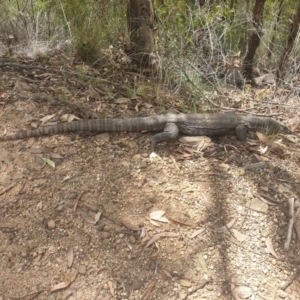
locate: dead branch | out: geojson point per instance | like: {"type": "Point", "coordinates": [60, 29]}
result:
{"type": "Point", "coordinates": [291, 203]}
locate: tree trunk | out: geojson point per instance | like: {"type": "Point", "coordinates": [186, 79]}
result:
{"type": "Point", "coordinates": [290, 43]}
{"type": "Point", "coordinates": [253, 43]}
{"type": "Point", "coordinates": [275, 29]}
{"type": "Point", "coordinates": [140, 19]}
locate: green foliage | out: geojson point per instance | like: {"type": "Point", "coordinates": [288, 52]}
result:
{"type": "Point", "coordinates": [92, 24]}
{"type": "Point", "coordinates": [194, 45]}
{"type": "Point", "coordinates": [203, 47]}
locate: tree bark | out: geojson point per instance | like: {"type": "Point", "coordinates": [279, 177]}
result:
{"type": "Point", "coordinates": [253, 43]}
{"type": "Point", "coordinates": [275, 29]}
{"type": "Point", "coordinates": [290, 43]}
{"type": "Point", "coordinates": [140, 19]}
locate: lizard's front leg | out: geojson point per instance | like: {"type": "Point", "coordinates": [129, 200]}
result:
{"type": "Point", "coordinates": [170, 133]}
{"type": "Point", "coordinates": [241, 132]}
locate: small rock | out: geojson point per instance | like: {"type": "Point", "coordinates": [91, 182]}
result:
{"type": "Point", "coordinates": [103, 137]}
{"type": "Point", "coordinates": [100, 226]}
{"type": "Point", "coordinates": [259, 205]}
{"type": "Point", "coordinates": [152, 199]}
{"type": "Point", "coordinates": [51, 297]}
{"type": "Point", "coordinates": [24, 253]}
{"type": "Point", "coordinates": [105, 241]}
{"type": "Point", "coordinates": [126, 164]}
{"type": "Point", "coordinates": [106, 235]}
{"type": "Point", "coordinates": [82, 269]}
{"type": "Point", "coordinates": [107, 228]}
{"type": "Point", "coordinates": [241, 171]}
{"type": "Point", "coordinates": [59, 208]}
{"type": "Point", "coordinates": [122, 100]}
{"type": "Point", "coordinates": [258, 165]}
{"type": "Point", "coordinates": [51, 224]}
{"type": "Point", "coordinates": [137, 157]}
{"type": "Point", "coordinates": [223, 167]}
{"type": "Point", "coordinates": [132, 239]}
{"type": "Point", "coordinates": [143, 165]}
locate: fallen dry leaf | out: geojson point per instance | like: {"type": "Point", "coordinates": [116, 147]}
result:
{"type": "Point", "coordinates": [160, 235]}
{"type": "Point", "coordinates": [269, 245]}
{"type": "Point", "coordinates": [167, 273]}
{"type": "Point", "coordinates": [135, 286]}
{"type": "Point", "coordinates": [197, 232]}
{"type": "Point", "coordinates": [130, 225]}
{"type": "Point", "coordinates": [62, 285]}
{"type": "Point", "coordinates": [68, 118]}
{"type": "Point", "coordinates": [180, 223]}
{"type": "Point", "coordinates": [97, 217]}
{"type": "Point", "coordinates": [207, 202]}
{"type": "Point", "coordinates": [268, 142]}
{"type": "Point", "coordinates": [148, 294]}
{"type": "Point", "coordinates": [50, 162]}
{"type": "Point", "coordinates": [185, 283]}
{"type": "Point", "coordinates": [111, 288]}
{"type": "Point", "coordinates": [158, 216]}
{"type": "Point", "coordinates": [202, 262]}
{"type": "Point", "coordinates": [29, 142]}
{"type": "Point", "coordinates": [70, 257]}
{"type": "Point", "coordinates": [54, 155]}
{"type": "Point", "coordinates": [241, 292]}
{"type": "Point", "coordinates": [154, 222]}
{"type": "Point", "coordinates": [239, 236]}
{"type": "Point", "coordinates": [86, 216]}
{"type": "Point", "coordinates": [226, 227]}
{"type": "Point", "coordinates": [46, 119]}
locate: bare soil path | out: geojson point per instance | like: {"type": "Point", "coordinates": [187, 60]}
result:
{"type": "Point", "coordinates": [84, 229]}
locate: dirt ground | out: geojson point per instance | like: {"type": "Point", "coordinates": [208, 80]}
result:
{"type": "Point", "coordinates": [95, 218]}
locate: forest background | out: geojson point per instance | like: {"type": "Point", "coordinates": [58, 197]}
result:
{"type": "Point", "coordinates": [192, 49]}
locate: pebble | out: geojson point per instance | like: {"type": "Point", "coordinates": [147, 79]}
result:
{"type": "Point", "coordinates": [100, 226]}
{"type": "Point", "coordinates": [24, 253]}
{"type": "Point", "coordinates": [107, 228]}
{"type": "Point", "coordinates": [51, 224]}
{"type": "Point", "coordinates": [132, 239]}
{"type": "Point", "coordinates": [143, 165]}
{"type": "Point", "coordinates": [126, 164]}
{"type": "Point", "coordinates": [82, 269]}
{"type": "Point", "coordinates": [59, 208]}
{"type": "Point", "coordinates": [106, 235]}
{"type": "Point", "coordinates": [259, 206]}
{"type": "Point", "coordinates": [137, 157]}
{"type": "Point", "coordinates": [103, 137]}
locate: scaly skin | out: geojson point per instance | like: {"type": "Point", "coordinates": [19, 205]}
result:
{"type": "Point", "coordinates": [169, 124]}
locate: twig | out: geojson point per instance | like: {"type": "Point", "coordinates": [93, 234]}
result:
{"type": "Point", "coordinates": [291, 203]}
{"type": "Point", "coordinates": [15, 65]}
{"type": "Point", "coordinates": [6, 189]}
{"type": "Point", "coordinates": [290, 280]}
{"type": "Point", "coordinates": [78, 199]}
{"type": "Point", "coordinates": [196, 289]}
{"type": "Point", "coordinates": [29, 296]}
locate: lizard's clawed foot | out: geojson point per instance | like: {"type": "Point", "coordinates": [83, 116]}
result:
{"type": "Point", "coordinates": [154, 155]}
